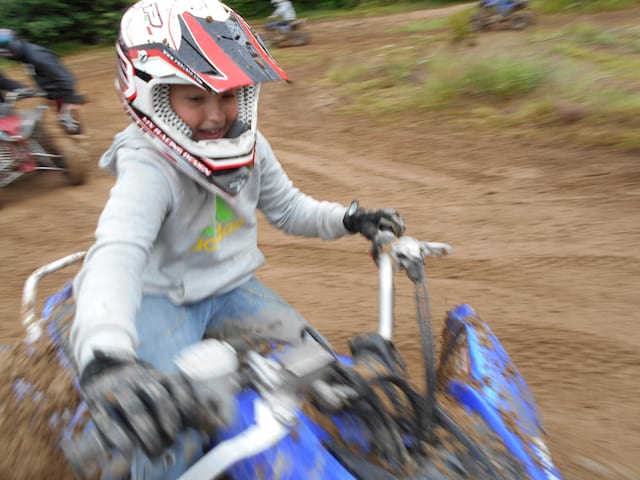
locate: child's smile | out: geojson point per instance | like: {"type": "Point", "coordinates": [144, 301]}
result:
{"type": "Point", "coordinates": [209, 115]}
{"type": "Point", "coordinates": [208, 134]}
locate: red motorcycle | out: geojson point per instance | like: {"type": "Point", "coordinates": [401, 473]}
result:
{"type": "Point", "coordinates": [28, 145]}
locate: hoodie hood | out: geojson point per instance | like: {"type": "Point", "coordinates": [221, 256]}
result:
{"type": "Point", "coordinates": [132, 138]}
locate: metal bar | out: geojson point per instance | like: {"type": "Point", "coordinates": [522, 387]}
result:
{"type": "Point", "coordinates": [29, 292]}
{"type": "Point", "coordinates": [385, 300]}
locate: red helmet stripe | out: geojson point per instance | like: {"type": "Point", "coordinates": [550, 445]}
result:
{"type": "Point", "coordinates": [234, 76]}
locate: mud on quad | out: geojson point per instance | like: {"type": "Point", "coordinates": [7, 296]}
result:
{"type": "Point", "coordinates": [31, 140]}
{"type": "Point", "coordinates": [520, 16]}
{"type": "Point", "coordinates": [305, 411]}
{"type": "Point", "coordinates": [293, 34]}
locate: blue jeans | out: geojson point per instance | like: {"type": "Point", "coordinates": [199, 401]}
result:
{"type": "Point", "coordinates": [164, 329]}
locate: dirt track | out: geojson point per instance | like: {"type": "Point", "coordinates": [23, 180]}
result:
{"type": "Point", "coordinates": [545, 239]}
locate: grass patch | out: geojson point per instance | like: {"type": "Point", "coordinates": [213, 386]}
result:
{"type": "Point", "coordinates": [610, 62]}
{"type": "Point", "coordinates": [577, 83]}
{"type": "Point", "coordinates": [587, 6]}
{"type": "Point", "coordinates": [459, 24]}
{"type": "Point", "coordinates": [623, 40]}
{"type": "Point", "coordinates": [490, 80]}
{"type": "Point", "coordinates": [501, 78]}
{"type": "Point", "coordinates": [590, 35]}
{"type": "Point", "coordinates": [401, 79]}
{"type": "Point", "coordinates": [615, 108]}
{"type": "Point", "coordinates": [506, 92]}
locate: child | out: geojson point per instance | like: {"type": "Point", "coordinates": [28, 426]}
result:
{"type": "Point", "coordinates": [284, 10]}
{"type": "Point", "coordinates": [176, 246]}
{"type": "Point", "coordinates": [48, 72]}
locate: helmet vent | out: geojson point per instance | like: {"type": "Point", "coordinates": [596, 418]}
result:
{"type": "Point", "coordinates": [246, 103]}
{"type": "Point", "coordinates": [162, 107]}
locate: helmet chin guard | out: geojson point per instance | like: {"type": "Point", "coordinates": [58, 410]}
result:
{"type": "Point", "coordinates": [167, 42]}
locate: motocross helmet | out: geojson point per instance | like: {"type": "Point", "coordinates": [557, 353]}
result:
{"type": "Point", "coordinates": [6, 37]}
{"type": "Point", "coordinates": [207, 44]}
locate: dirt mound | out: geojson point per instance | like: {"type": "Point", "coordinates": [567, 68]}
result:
{"type": "Point", "coordinates": [36, 398]}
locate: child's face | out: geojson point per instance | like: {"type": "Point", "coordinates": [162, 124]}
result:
{"type": "Point", "coordinates": [209, 115]}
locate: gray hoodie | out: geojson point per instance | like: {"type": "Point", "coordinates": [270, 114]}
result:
{"type": "Point", "coordinates": [161, 233]}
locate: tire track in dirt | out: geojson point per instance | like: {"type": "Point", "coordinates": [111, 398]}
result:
{"type": "Point", "coordinates": [314, 175]}
{"type": "Point", "coordinates": [582, 362]}
{"type": "Point", "coordinates": [590, 375]}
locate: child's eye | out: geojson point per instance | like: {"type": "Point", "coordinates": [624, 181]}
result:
{"type": "Point", "coordinates": [229, 94]}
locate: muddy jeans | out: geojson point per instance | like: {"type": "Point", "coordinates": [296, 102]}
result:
{"type": "Point", "coordinates": [165, 328]}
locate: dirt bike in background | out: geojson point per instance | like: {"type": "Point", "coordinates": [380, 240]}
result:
{"type": "Point", "coordinates": [519, 16]}
{"type": "Point", "coordinates": [29, 144]}
{"type": "Point", "coordinates": [280, 34]}
{"type": "Point", "coordinates": [304, 411]}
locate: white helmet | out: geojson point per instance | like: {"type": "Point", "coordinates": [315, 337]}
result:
{"type": "Point", "coordinates": [193, 42]}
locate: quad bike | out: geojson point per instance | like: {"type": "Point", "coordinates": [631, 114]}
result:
{"type": "Point", "coordinates": [293, 34]}
{"type": "Point", "coordinates": [305, 411]}
{"type": "Point", "coordinates": [28, 142]}
{"type": "Point", "coordinates": [520, 16]}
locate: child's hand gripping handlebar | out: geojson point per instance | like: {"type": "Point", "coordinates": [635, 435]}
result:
{"type": "Point", "coordinates": [277, 380]}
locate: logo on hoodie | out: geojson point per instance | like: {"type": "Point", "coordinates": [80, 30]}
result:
{"type": "Point", "coordinates": [224, 225]}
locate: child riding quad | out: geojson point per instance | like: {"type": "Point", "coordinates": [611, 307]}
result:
{"type": "Point", "coordinates": [285, 29]}
{"type": "Point", "coordinates": [515, 14]}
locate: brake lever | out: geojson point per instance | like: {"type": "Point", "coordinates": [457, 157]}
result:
{"type": "Point", "coordinates": [435, 248]}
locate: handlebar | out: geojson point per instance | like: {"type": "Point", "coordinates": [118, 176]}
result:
{"type": "Point", "coordinates": [22, 93]}
{"type": "Point", "coordinates": [11, 97]}
{"type": "Point", "coordinates": [278, 379]}
{"type": "Point", "coordinates": [405, 253]}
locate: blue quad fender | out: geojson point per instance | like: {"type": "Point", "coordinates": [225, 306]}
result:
{"type": "Point", "coordinates": [477, 372]}
{"type": "Point", "coordinates": [300, 454]}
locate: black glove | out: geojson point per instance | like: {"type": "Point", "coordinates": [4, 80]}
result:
{"type": "Point", "coordinates": [131, 404]}
{"type": "Point", "coordinates": [368, 222]}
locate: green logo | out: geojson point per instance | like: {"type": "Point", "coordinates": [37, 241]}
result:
{"type": "Point", "coordinates": [224, 225]}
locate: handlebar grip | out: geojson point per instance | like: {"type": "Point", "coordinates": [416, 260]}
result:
{"type": "Point", "coordinates": [369, 230]}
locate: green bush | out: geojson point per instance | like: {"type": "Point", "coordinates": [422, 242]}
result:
{"type": "Point", "coordinates": [56, 22]}
{"type": "Point", "coordinates": [52, 22]}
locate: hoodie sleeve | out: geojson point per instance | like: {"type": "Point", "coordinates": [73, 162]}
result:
{"type": "Point", "coordinates": [287, 208]}
{"type": "Point", "coordinates": [108, 288]}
